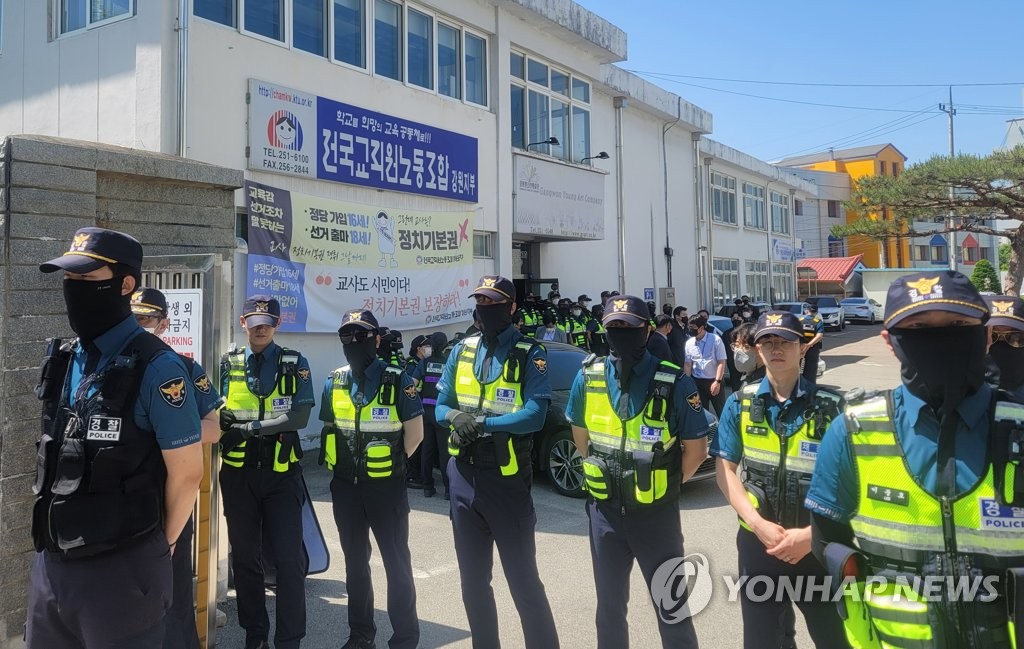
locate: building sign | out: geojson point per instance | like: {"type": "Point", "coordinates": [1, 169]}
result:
{"type": "Point", "coordinates": [782, 250]}
{"type": "Point", "coordinates": [320, 257]}
{"type": "Point", "coordinates": [299, 134]}
{"type": "Point", "coordinates": [185, 311]}
{"type": "Point", "coordinates": [557, 201]}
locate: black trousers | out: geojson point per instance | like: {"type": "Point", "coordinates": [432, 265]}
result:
{"type": "Point", "coordinates": [434, 449]}
{"type": "Point", "coordinates": [704, 389]}
{"type": "Point", "coordinates": [769, 624]}
{"type": "Point", "coordinates": [811, 363]}
{"type": "Point", "coordinates": [252, 496]}
{"type": "Point", "coordinates": [383, 507]}
{"type": "Point", "coordinates": [181, 619]}
{"type": "Point", "coordinates": [491, 510]}
{"type": "Point", "coordinates": [650, 538]}
{"type": "Point", "coordinates": [118, 600]}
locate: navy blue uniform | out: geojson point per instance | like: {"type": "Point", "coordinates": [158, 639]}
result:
{"type": "Point", "coordinates": [434, 449]}
{"type": "Point", "coordinates": [117, 599]}
{"type": "Point", "coordinates": [651, 535]}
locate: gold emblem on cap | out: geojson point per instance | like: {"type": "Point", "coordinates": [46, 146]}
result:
{"type": "Point", "coordinates": [137, 296]}
{"type": "Point", "coordinates": [924, 285]}
{"type": "Point", "coordinates": [773, 319]}
{"type": "Point", "coordinates": [262, 307]}
{"type": "Point", "coordinates": [488, 282]}
{"type": "Point", "coordinates": [355, 316]}
{"type": "Point", "coordinates": [619, 305]}
{"type": "Point", "coordinates": [1002, 308]}
{"type": "Point", "coordinates": [78, 243]}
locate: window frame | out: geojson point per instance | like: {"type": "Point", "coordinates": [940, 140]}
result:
{"type": "Point", "coordinates": [211, 21]}
{"type": "Point", "coordinates": [488, 237]}
{"type": "Point", "coordinates": [757, 270]}
{"type": "Point", "coordinates": [328, 34]}
{"type": "Point", "coordinates": [726, 190]}
{"type": "Point", "coordinates": [782, 278]}
{"type": "Point", "coordinates": [367, 30]}
{"type": "Point", "coordinates": [733, 271]}
{"type": "Point", "coordinates": [784, 212]}
{"type": "Point", "coordinates": [460, 45]}
{"type": "Point", "coordinates": [59, 5]}
{"type": "Point", "coordinates": [407, 33]}
{"type": "Point", "coordinates": [755, 198]}
{"type": "Point", "coordinates": [466, 31]}
{"type": "Point", "coordinates": [571, 103]}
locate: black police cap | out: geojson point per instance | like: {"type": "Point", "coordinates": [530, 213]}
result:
{"type": "Point", "coordinates": [94, 248]}
{"type": "Point", "coordinates": [778, 323]}
{"type": "Point", "coordinates": [496, 287]}
{"type": "Point", "coordinates": [363, 318]}
{"type": "Point", "coordinates": [261, 310]}
{"type": "Point", "coordinates": [626, 308]}
{"type": "Point", "coordinates": [1006, 311]}
{"type": "Point", "coordinates": [149, 302]}
{"type": "Point", "coordinates": [945, 290]}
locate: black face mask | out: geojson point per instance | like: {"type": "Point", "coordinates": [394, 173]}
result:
{"type": "Point", "coordinates": [927, 369]}
{"type": "Point", "coordinates": [628, 345]}
{"type": "Point", "coordinates": [1010, 361]}
{"type": "Point", "coordinates": [95, 307]}
{"type": "Point", "coordinates": [494, 318]}
{"type": "Point", "coordinates": [360, 355]}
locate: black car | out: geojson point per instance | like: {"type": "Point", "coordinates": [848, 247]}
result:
{"type": "Point", "coordinates": [554, 450]}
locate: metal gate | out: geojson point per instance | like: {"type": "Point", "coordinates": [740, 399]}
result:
{"type": "Point", "coordinates": [212, 275]}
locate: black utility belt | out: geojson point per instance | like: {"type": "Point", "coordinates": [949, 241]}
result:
{"type": "Point", "coordinates": [488, 453]}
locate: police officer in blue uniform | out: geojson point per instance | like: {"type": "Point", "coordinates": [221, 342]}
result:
{"type": "Point", "coordinates": [814, 331]}
{"type": "Point", "coordinates": [1007, 349]}
{"type": "Point", "coordinates": [427, 372]}
{"type": "Point", "coordinates": [639, 423]}
{"type": "Point", "coordinates": [149, 306]}
{"type": "Point", "coordinates": [494, 393]}
{"type": "Point", "coordinates": [268, 395]}
{"type": "Point", "coordinates": [119, 462]}
{"type": "Point", "coordinates": [373, 420]}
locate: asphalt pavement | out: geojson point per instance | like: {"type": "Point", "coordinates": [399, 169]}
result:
{"type": "Point", "coordinates": [856, 357]}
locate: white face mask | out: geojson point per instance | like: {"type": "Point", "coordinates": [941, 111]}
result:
{"type": "Point", "coordinates": [427, 351]}
{"type": "Point", "coordinates": [576, 312]}
{"type": "Point", "coordinates": [151, 330]}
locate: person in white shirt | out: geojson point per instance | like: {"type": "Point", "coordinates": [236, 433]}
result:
{"type": "Point", "coordinates": [548, 331]}
{"type": "Point", "coordinates": [705, 362]}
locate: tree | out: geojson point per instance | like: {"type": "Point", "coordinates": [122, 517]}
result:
{"type": "Point", "coordinates": [985, 188]}
{"type": "Point", "coordinates": [1004, 256]}
{"type": "Point", "coordinates": [985, 277]}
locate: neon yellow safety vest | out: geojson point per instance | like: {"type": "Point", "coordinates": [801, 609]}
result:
{"type": "Point", "coordinates": [365, 440]}
{"type": "Point", "coordinates": [247, 406]}
{"type": "Point", "coordinates": [778, 467]}
{"type": "Point", "coordinates": [903, 529]}
{"type": "Point", "coordinates": [502, 396]}
{"type": "Point", "coordinates": [634, 461]}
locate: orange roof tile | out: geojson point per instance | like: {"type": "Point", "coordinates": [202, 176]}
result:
{"type": "Point", "coordinates": [831, 269]}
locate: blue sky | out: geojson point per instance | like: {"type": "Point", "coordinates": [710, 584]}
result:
{"type": "Point", "coordinates": [891, 42]}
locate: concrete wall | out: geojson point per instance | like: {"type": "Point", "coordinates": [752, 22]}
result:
{"type": "Point", "coordinates": [48, 189]}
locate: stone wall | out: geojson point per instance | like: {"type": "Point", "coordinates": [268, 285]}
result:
{"type": "Point", "coordinates": [50, 187]}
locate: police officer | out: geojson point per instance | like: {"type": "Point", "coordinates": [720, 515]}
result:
{"type": "Point", "coordinates": [922, 482]}
{"type": "Point", "coordinates": [598, 338]}
{"type": "Point", "coordinates": [494, 393]}
{"type": "Point", "coordinates": [813, 332]}
{"type": "Point", "coordinates": [1007, 348]}
{"type": "Point", "coordinates": [773, 428]}
{"type": "Point", "coordinates": [119, 462]}
{"type": "Point", "coordinates": [149, 306]}
{"type": "Point", "coordinates": [426, 373]}
{"type": "Point", "coordinates": [580, 329]}
{"type": "Point", "coordinates": [268, 397]}
{"type": "Point", "coordinates": [373, 420]}
{"type": "Point", "coordinates": [639, 424]}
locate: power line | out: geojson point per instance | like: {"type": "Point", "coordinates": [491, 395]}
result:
{"type": "Point", "coordinates": [871, 132]}
{"type": "Point", "coordinates": [857, 138]}
{"type": "Point", "coordinates": [828, 85]}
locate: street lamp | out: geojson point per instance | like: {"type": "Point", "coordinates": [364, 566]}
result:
{"type": "Point", "coordinates": [600, 156]}
{"type": "Point", "coordinates": [551, 140]}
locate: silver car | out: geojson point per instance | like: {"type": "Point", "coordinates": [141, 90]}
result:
{"type": "Point", "coordinates": [862, 308]}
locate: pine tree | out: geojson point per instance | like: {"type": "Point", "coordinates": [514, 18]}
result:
{"type": "Point", "coordinates": [985, 277]}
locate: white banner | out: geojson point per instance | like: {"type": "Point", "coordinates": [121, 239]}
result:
{"type": "Point", "coordinates": [185, 310]}
{"type": "Point", "coordinates": [558, 201]}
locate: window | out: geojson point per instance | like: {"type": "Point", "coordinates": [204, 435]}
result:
{"type": "Point", "coordinates": [986, 253]}
{"type": "Point", "coordinates": [726, 279]}
{"type": "Point", "coordinates": [449, 55]}
{"type": "Point", "coordinates": [920, 253]}
{"type": "Point", "coordinates": [219, 11]}
{"type": "Point", "coordinates": [939, 254]}
{"type": "Point", "coordinates": [723, 198]}
{"type": "Point", "coordinates": [387, 39]}
{"type": "Point", "coordinates": [780, 213]}
{"type": "Point", "coordinates": [264, 17]}
{"type": "Point", "coordinates": [349, 32]}
{"type": "Point", "coordinates": [476, 69]}
{"type": "Point", "coordinates": [555, 105]}
{"type": "Point", "coordinates": [971, 254]}
{"type": "Point", "coordinates": [881, 167]}
{"type": "Point", "coordinates": [82, 14]}
{"type": "Point", "coordinates": [756, 280]}
{"type": "Point", "coordinates": [836, 247]}
{"type": "Point", "coordinates": [782, 282]}
{"type": "Point", "coordinates": [420, 50]}
{"type": "Point", "coordinates": [309, 26]}
{"type": "Point", "coordinates": [895, 169]}
{"type": "Point", "coordinates": [833, 209]}
{"type": "Point", "coordinates": [798, 207]}
{"type": "Point", "coordinates": [483, 244]}
{"type": "Point", "coordinates": [753, 206]}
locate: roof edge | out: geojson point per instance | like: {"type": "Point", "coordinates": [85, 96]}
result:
{"type": "Point", "coordinates": [579, 21]}
{"type": "Point", "coordinates": [737, 158]}
{"type": "Point", "coordinates": [665, 104]}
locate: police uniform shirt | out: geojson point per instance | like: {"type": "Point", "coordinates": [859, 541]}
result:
{"type": "Point", "coordinates": [784, 418]}
{"type": "Point", "coordinates": [819, 324]}
{"type": "Point", "coordinates": [166, 404]}
{"type": "Point", "coordinates": [207, 398]}
{"type": "Point", "coordinates": [684, 421]}
{"type": "Point", "coordinates": [705, 354]}
{"type": "Point", "coordinates": [264, 382]}
{"type": "Point", "coordinates": [834, 487]}
{"type": "Point", "coordinates": [535, 384]}
{"type": "Point", "coordinates": [407, 400]}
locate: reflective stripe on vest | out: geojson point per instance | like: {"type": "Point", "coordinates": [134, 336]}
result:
{"type": "Point", "coordinates": [378, 421]}
{"type": "Point", "coordinates": [246, 406]}
{"type": "Point", "coordinates": [501, 396]}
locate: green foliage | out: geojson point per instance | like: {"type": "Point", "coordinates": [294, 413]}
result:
{"type": "Point", "coordinates": [985, 277]}
{"type": "Point", "coordinates": [1004, 256]}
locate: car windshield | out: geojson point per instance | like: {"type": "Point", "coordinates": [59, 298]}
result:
{"type": "Point", "coordinates": [854, 300]}
{"type": "Point", "coordinates": [793, 307]}
{"type": "Point", "coordinates": [823, 301]}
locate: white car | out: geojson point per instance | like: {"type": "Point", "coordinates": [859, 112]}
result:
{"type": "Point", "coordinates": [863, 308]}
{"type": "Point", "coordinates": [831, 312]}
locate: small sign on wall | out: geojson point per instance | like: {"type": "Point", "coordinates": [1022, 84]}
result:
{"type": "Point", "coordinates": [185, 311]}
{"type": "Point", "coordinates": [648, 294]}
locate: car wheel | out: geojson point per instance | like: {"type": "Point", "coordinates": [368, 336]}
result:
{"type": "Point", "coordinates": [842, 323]}
{"type": "Point", "coordinates": [564, 464]}
{"type": "Point", "coordinates": [872, 319]}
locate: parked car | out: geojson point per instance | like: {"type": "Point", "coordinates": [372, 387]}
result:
{"type": "Point", "coordinates": [830, 310]}
{"type": "Point", "coordinates": [796, 308]}
{"type": "Point", "coordinates": [554, 451]}
{"type": "Point", "coordinates": [730, 309]}
{"type": "Point", "coordinates": [863, 308]}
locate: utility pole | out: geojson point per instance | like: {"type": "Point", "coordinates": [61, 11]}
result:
{"type": "Point", "coordinates": [951, 246]}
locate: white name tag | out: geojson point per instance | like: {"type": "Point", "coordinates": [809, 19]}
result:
{"type": "Point", "coordinates": [281, 404]}
{"type": "Point", "coordinates": [649, 434]}
{"type": "Point", "coordinates": [104, 429]}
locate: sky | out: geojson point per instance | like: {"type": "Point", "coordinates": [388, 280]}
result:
{"type": "Point", "coordinates": [827, 42]}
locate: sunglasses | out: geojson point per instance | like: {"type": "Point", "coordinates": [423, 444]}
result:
{"type": "Point", "coordinates": [1011, 338]}
{"type": "Point", "coordinates": [355, 337]}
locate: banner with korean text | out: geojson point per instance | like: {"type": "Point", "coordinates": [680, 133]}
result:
{"type": "Point", "coordinates": [320, 257]}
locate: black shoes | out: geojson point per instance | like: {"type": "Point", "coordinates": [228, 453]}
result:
{"type": "Point", "coordinates": [357, 643]}
{"type": "Point", "coordinates": [414, 483]}
{"type": "Point", "coordinates": [257, 644]}
{"type": "Point", "coordinates": [429, 492]}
